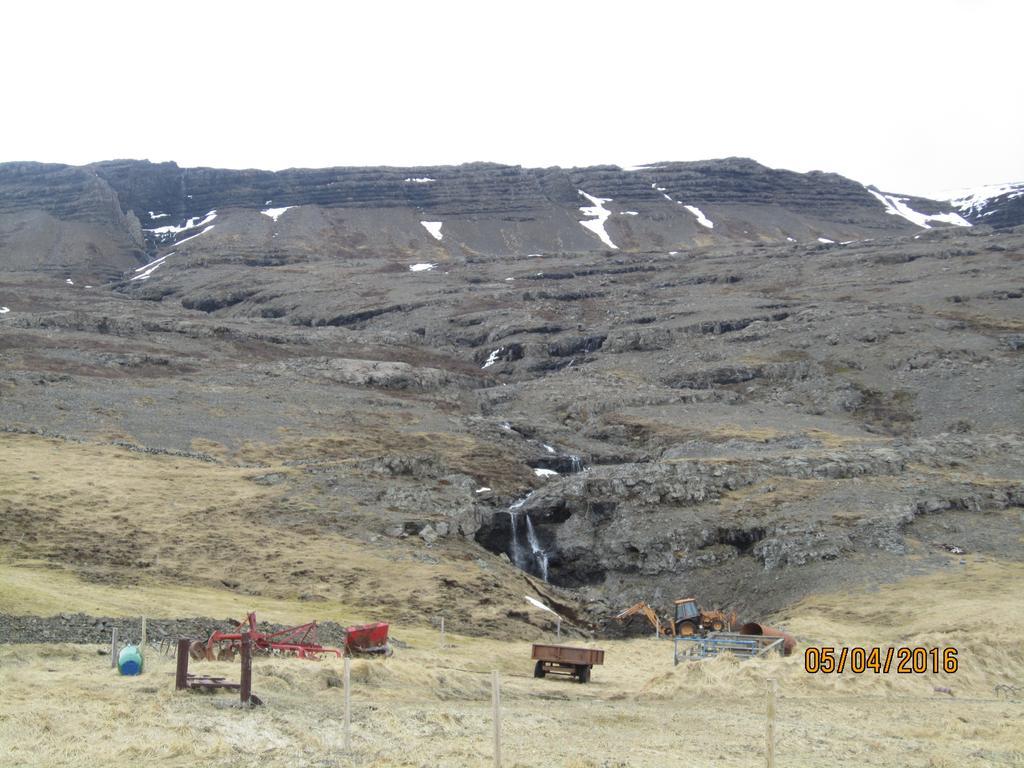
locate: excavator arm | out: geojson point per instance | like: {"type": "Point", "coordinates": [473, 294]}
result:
{"type": "Point", "coordinates": [644, 610]}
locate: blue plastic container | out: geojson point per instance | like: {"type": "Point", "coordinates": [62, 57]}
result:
{"type": "Point", "coordinates": [129, 661]}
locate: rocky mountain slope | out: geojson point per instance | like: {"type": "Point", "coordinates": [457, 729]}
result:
{"type": "Point", "coordinates": [696, 377]}
{"type": "Point", "coordinates": [57, 218]}
{"type": "Point", "coordinates": [997, 205]}
{"type": "Point", "coordinates": [122, 209]}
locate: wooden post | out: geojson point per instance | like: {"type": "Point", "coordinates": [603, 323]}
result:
{"type": "Point", "coordinates": [181, 671]}
{"type": "Point", "coordinates": [558, 628]}
{"type": "Point", "coordinates": [348, 704]}
{"type": "Point", "coordinates": [496, 711]}
{"type": "Point", "coordinates": [113, 648]}
{"type": "Point", "coordinates": [769, 731]}
{"type": "Point", "coordinates": [246, 686]}
{"type": "Point", "coordinates": [142, 642]}
{"type": "Point", "coordinates": [442, 632]}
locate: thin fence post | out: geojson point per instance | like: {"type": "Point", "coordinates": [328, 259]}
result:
{"type": "Point", "coordinates": [442, 632]}
{"type": "Point", "coordinates": [113, 648]}
{"type": "Point", "coordinates": [348, 704]}
{"type": "Point", "coordinates": [142, 642]}
{"type": "Point", "coordinates": [558, 628]}
{"type": "Point", "coordinates": [496, 711]}
{"type": "Point", "coordinates": [769, 730]}
{"type": "Point", "coordinates": [245, 689]}
{"type": "Point", "coordinates": [181, 670]}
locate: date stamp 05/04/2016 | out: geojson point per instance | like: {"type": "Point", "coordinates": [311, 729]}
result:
{"type": "Point", "coordinates": [903, 660]}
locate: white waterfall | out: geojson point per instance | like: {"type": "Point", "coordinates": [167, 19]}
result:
{"type": "Point", "coordinates": [539, 555]}
{"type": "Point", "coordinates": [516, 551]}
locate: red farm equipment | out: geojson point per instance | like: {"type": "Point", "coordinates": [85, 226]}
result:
{"type": "Point", "coordinates": [367, 639]}
{"type": "Point", "coordinates": [300, 641]}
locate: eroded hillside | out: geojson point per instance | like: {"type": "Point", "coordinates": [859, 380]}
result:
{"type": "Point", "coordinates": [748, 418]}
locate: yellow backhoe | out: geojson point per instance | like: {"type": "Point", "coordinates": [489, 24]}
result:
{"type": "Point", "coordinates": [688, 619]}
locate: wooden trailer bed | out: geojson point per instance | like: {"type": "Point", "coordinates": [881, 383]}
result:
{"type": "Point", "coordinates": [565, 660]}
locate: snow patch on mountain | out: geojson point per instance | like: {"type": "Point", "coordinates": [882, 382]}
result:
{"type": "Point", "coordinates": [538, 604]}
{"type": "Point", "coordinates": [648, 167]}
{"type": "Point", "coordinates": [703, 220]}
{"type": "Point", "coordinates": [434, 228]}
{"type": "Point", "coordinates": [491, 359]}
{"type": "Point", "coordinates": [146, 270]}
{"type": "Point", "coordinates": [197, 234]}
{"type": "Point", "coordinates": [974, 201]}
{"type": "Point", "coordinates": [275, 213]}
{"type": "Point", "coordinates": [600, 214]}
{"type": "Point", "coordinates": [897, 206]}
{"type": "Point", "coordinates": [193, 223]}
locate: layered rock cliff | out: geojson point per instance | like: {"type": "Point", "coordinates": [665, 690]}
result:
{"type": "Point", "coordinates": [59, 218]}
{"type": "Point", "coordinates": [67, 217]}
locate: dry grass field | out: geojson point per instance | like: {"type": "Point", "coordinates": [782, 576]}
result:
{"type": "Point", "coordinates": [64, 515]}
{"type": "Point", "coordinates": [430, 706]}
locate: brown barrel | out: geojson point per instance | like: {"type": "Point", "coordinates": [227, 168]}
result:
{"type": "Point", "coordinates": [753, 628]}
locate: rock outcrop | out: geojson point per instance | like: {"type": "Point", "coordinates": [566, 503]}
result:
{"type": "Point", "coordinates": [65, 220]}
{"type": "Point", "coordinates": [101, 216]}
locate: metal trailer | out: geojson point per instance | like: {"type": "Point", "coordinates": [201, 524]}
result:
{"type": "Point", "coordinates": [565, 660]}
{"type": "Point", "coordinates": [745, 646]}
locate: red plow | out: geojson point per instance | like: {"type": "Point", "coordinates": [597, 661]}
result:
{"type": "Point", "coordinates": [300, 641]}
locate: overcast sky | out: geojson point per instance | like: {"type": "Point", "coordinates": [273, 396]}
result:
{"type": "Point", "coordinates": [911, 96]}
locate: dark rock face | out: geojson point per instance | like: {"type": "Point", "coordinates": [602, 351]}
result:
{"type": "Point", "coordinates": [65, 192]}
{"type": "Point", "coordinates": [477, 188]}
{"type": "Point", "coordinates": [213, 302]}
{"type": "Point", "coordinates": [732, 180]}
{"type": "Point", "coordinates": [1006, 212]}
{"type": "Point", "coordinates": [484, 209]}
{"type": "Point", "coordinates": [58, 218]}
{"type": "Point", "coordinates": [1001, 211]}
{"type": "Point", "coordinates": [576, 345]}
{"type": "Point", "coordinates": [659, 523]}
{"type": "Point", "coordinates": [467, 189]}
